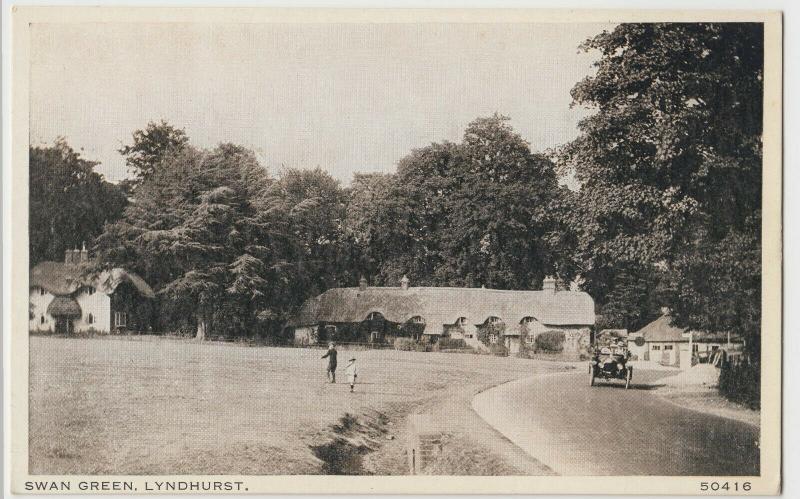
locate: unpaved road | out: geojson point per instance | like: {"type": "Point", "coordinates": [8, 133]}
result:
{"type": "Point", "coordinates": [576, 429]}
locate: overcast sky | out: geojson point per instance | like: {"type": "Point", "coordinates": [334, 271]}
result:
{"type": "Point", "coordinates": [346, 97]}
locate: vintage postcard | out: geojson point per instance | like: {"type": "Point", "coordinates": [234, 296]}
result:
{"type": "Point", "coordinates": [395, 251]}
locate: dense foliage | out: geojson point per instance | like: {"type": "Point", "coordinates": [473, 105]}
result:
{"type": "Point", "coordinates": [68, 202]}
{"type": "Point", "coordinates": [670, 175]}
{"type": "Point", "coordinates": [478, 213]}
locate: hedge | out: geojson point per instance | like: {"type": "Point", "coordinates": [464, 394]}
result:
{"type": "Point", "coordinates": [549, 341]}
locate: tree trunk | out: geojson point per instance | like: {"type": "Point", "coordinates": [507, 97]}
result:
{"type": "Point", "coordinates": [202, 329]}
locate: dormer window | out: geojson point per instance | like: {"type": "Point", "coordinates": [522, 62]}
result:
{"type": "Point", "coordinates": [89, 290]}
{"type": "Point", "coordinates": [42, 291]}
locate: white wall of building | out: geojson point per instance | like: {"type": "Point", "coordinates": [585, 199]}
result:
{"type": "Point", "coordinates": [98, 304]}
{"type": "Point", "coordinates": [40, 321]}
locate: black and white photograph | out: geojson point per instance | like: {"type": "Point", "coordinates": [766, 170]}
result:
{"type": "Point", "coordinates": [268, 244]}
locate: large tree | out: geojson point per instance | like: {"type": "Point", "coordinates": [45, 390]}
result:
{"type": "Point", "coordinates": [69, 202]}
{"type": "Point", "coordinates": [669, 168]}
{"type": "Point", "coordinates": [150, 147]}
{"type": "Point", "coordinates": [196, 232]}
{"type": "Point", "coordinates": [477, 213]}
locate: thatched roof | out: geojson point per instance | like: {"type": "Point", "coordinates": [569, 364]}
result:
{"type": "Point", "coordinates": [662, 330]}
{"type": "Point", "coordinates": [64, 306]}
{"type": "Point", "coordinates": [438, 306]}
{"type": "Point", "coordinates": [63, 279]}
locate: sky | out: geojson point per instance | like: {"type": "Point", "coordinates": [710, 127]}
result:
{"type": "Point", "coordinates": [345, 97]}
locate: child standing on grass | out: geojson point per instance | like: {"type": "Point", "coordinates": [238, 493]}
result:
{"type": "Point", "coordinates": [352, 373]}
{"type": "Point", "coordinates": [331, 356]}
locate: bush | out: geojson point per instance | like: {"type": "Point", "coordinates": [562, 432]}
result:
{"type": "Point", "coordinates": [549, 341]}
{"type": "Point", "coordinates": [498, 349]}
{"type": "Point", "coordinates": [741, 384]}
{"type": "Point", "coordinates": [451, 343]}
{"type": "Point", "coordinates": [409, 345]}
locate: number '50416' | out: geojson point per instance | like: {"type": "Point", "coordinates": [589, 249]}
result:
{"type": "Point", "coordinates": [727, 486]}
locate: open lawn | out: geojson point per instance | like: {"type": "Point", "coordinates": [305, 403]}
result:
{"type": "Point", "coordinates": [160, 406]}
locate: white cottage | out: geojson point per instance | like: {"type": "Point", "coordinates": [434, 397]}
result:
{"type": "Point", "coordinates": [65, 297]}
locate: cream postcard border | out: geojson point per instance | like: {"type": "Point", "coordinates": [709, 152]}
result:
{"type": "Point", "coordinates": [17, 223]}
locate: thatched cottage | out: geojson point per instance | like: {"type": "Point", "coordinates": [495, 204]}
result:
{"type": "Point", "coordinates": [434, 312]}
{"type": "Point", "coordinates": [65, 298]}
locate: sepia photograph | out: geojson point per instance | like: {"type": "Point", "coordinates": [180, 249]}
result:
{"type": "Point", "coordinates": [259, 243]}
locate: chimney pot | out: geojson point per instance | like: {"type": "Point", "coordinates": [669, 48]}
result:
{"type": "Point", "coordinates": [362, 283]}
{"type": "Point", "coordinates": [549, 284]}
{"type": "Point", "coordinates": [84, 254]}
{"type": "Point", "coordinates": [404, 282]}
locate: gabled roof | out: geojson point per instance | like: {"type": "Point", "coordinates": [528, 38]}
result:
{"type": "Point", "coordinates": [62, 279]}
{"type": "Point", "coordinates": [662, 330]}
{"type": "Point", "coordinates": [438, 306]}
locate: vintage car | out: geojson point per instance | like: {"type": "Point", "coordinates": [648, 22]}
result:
{"type": "Point", "coordinates": [611, 362]}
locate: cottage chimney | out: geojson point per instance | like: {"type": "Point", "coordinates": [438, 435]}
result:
{"type": "Point", "coordinates": [549, 284]}
{"type": "Point", "coordinates": [362, 283]}
{"type": "Point", "coordinates": [84, 253]}
{"type": "Point", "coordinates": [404, 282]}
{"type": "Point", "coordinates": [68, 256]}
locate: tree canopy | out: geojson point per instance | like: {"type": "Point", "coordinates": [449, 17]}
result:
{"type": "Point", "coordinates": [670, 168]}
{"type": "Point", "coordinates": [68, 201]}
{"type": "Point", "coordinates": [149, 148]}
{"type": "Point", "coordinates": [477, 213]}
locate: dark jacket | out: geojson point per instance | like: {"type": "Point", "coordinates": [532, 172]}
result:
{"type": "Point", "coordinates": [331, 355]}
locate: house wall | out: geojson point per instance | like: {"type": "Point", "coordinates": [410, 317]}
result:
{"type": "Point", "coordinates": [664, 352]}
{"type": "Point", "coordinates": [512, 343]}
{"type": "Point", "coordinates": [99, 305]}
{"type": "Point", "coordinates": [306, 335]}
{"type": "Point", "coordinates": [39, 304]}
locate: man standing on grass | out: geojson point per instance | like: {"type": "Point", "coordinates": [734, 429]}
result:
{"type": "Point", "coordinates": [331, 355]}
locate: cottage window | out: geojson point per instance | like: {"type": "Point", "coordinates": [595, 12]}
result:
{"type": "Point", "coordinates": [656, 347]}
{"type": "Point", "coordinates": [493, 337]}
{"type": "Point", "coordinates": [416, 320]}
{"type": "Point", "coordinates": [695, 347]}
{"type": "Point", "coordinates": [493, 320]}
{"type": "Point", "coordinates": [90, 319]}
{"type": "Point", "coordinates": [667, 347]}
{"type": "Point", "coordinates": [42, 320]}
{"type": "Point", "coordinates": [120, 319]}
{"type": "Point", "coordinates": [90, 290]}
{"type": "Point", "coordinates": [41, 291]}
{"type": "Point", "coordinates": [528, 320]}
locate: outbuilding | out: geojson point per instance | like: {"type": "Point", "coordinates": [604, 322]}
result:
{"type": "Point", "coordinates": [669, 345]}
